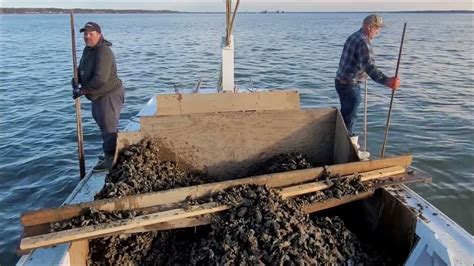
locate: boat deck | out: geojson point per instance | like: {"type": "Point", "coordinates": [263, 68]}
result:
{"type": "Point", "coordinates": [441, 240]}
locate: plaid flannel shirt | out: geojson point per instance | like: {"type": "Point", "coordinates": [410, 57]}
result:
{"type": "Point", "coordinates": [357, 60]}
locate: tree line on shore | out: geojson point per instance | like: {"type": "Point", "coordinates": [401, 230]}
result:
{"type": "Point", "coordinates": [79, 10]}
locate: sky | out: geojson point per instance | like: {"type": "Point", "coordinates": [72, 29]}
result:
{"type": "Point", "coordinates": [250, 5]}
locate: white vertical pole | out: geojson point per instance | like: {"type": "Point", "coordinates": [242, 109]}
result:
{"type": "Point", "coordinates": [228, 64]}
{"type": "Point", "coordinates": [365, 117]}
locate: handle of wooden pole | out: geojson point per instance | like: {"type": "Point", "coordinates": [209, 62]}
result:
{"type": "Point", "coordinates": [77, 102]}
{"type": "Point", "coordinates": [382, 153]}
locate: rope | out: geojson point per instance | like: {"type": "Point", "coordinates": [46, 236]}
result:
{"type": "Point", "coordinates": [230, 17]}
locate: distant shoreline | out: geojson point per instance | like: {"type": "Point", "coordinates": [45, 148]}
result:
{"type": "Point", "coordinates": [82, 11]}
{"type": "Point", "coordinates": [8, 10]}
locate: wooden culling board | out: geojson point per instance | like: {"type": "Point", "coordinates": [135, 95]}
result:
{"type": "Point", "coordinates": [121, 226]}
{"type": "Point", "coordinates": [181, 104]}
{"type": "Point", "coordinates": [175, 196]}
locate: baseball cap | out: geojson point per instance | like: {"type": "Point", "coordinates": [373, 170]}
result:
{"type": "Point", "coordinates": [374, 19]}
{"type": "Point", "coordinates": [91, 26]}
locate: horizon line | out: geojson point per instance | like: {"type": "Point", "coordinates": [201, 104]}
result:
{"type": "Point", "coordinates": [218, 12]}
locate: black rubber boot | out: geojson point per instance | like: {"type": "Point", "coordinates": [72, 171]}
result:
{"type": "Point", "coordinates": [104, 165]}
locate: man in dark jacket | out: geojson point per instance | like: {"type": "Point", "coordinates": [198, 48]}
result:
{"type": "Point", "coordinates": [357, 61]}
{"type": "Point", "coordinates": [102, 86]}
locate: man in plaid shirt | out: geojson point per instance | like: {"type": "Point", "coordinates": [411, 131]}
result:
{"type": "Point", "coordinates": [357, 61]}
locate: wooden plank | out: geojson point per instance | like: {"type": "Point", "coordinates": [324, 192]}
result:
{"type": "Point", "coordinates": [365, 166]}
{"type": "Point", "coordinates": [397, 179]}
{"type": "Point", "coordinates": [319, 206]}
{"type": "Point", "coordinates": [78, 253]}
{"type": "Point", "coordinates": [180, 104]}
{"type": "Point", "coordinates": [177, 195]}
{"type": "Point", "coordinates": [36, 229]}
{"type": "Point", "coordinates": [389, 171]}
{"type": "Point", "coordinates": [309, 208]}
{"type": "Point", "coordinates": [228, 145]}
{"type": "Point", "coordinates": [321, 185]}
{"type": "Point", "coordinates": [181, 223]}
{"type": "Point", "coordinates": [120, 226]}
{"type": "Point", "coordinates": [94, 231]}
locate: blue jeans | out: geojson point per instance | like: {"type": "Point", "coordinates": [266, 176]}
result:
{"type": "Point", "coordinates": [349, 96]}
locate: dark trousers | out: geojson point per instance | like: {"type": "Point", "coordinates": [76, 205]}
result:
{"type": "Point", "coordinates": [349, 96]}
{"type": "Point", "coordinates": [106, 113]}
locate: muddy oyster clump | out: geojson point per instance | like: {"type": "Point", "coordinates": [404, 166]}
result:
{"type": "Point", "coordinates": [261, 228]}
{"type": "Point", "coordinates": [140, 169]}
{"type": "Point", "coordinates": [281, 163]}
{"type": "Point", "coordinates": [93, 217]}
{"type": "Point", "coordinates": [340, 187]}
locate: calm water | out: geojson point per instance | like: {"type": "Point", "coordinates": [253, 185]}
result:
{"type": "Point", "coordinates": [432, 115]}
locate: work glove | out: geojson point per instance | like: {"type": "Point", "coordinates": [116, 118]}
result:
{"type": "Point", "coordinates": [74, 85]}
{"type": "Point", "coordinates": [77, 92]}
{"type": "Point", "coordinates": [393, 83]}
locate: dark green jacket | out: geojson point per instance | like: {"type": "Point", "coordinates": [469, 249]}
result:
{"type": "Point", "coordinates": [98, 70]}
